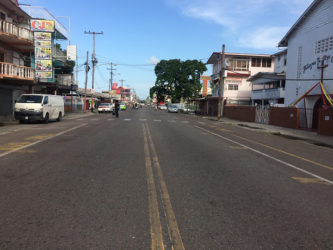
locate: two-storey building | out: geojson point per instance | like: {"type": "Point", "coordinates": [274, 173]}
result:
{"type": "Point", "coordinates": [239, 67]}
{"type": "Point", "coordinates": [268, 88]}
{"type": "Point", "coordinates": [16, 48]}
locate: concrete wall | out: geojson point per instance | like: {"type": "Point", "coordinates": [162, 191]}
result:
{"type": "Point", "coordinates": [325, 122]}
{"type": "Point", "coordinates": [284, 117]}
{"type": "Point", "coordinates": [241, 113]}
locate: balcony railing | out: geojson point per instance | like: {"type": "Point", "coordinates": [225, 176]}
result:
{"type": "Point", "coordinates": [13, 29]}
{"type": "Point", "coordinates": [275, 93]}
{"type": "Point", "coordinates": [9, 70]}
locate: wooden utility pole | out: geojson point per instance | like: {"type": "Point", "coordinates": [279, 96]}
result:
{"type": "Point", "coordinates": [86, 82]}
{"type": "Point", "coordinates": [94, 62]}
{"type": "Point", "coordinates": [93, 56]}
{"type": "Point", "coordinates": [111, 78]}
{"type": "Point", "coordinates": [122, 88]}
{"type": "Point", "coordinates": [221, 86]}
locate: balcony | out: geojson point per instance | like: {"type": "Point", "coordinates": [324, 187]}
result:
{"type": "Point", "coordinates": [264, 94]}
{"type": "Point", "coordinates": [15, 72]}
{"type": "Point", "coordinates": [17, 37]}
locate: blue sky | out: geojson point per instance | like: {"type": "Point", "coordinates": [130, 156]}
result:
{"type": "Point", "coordinates": [139, 33]}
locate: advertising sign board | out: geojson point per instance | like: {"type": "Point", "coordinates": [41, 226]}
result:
{"type": "Point", "coordinates": [42, 25]}
{"type": "Point", "coordinates": [205, 80]}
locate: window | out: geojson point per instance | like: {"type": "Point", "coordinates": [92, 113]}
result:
{"type": "Point", "coordinates": [232, 87]}
{"type": "Point", "coordinates": [239, 64]}
{"type": "Point", "coordinates": [256, 62]}
{"type": "Point", "coordinates": [324, 45]}
{"type": "Point", "coordinates": [261, 62]}
{"type": "Point", "coordinates": [266, 62]}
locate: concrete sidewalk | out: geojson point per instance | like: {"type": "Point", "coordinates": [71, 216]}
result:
{"type": "Point", "coordinates": [295, 134]}
{"type": "Point", "coordinates": [68, 116]}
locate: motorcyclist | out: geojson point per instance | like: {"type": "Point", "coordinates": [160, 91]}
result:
{"type": "Point", "coordinates": [116, 108]}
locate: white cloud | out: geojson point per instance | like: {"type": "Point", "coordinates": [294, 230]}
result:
{"type": "Point", "coordinates": [262, 38]}
{"type": "Point", "coordinates": [235, 16]}
{"type": "Point", "coordinates": [153, 60]}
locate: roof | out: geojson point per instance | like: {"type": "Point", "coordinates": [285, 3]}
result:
{"type": "Point", "coordinates": [268, 75]}
{"type": "Point", "coordinates": [281, 52]}
{"type": "Point", "coordinates": [38, 12]}
{"type": "Point", "coordinates": [299, 22]}
{"type": "Point", "coordinates": [217, 55]}
{"type": "Point", "coordinates": [12, 5]}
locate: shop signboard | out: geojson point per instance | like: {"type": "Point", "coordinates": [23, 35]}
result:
{"type": "Point", "coordinates": [43, 49]}
{"type": "Point", "coordinates": [41, 25]}
{"type": "Point", "coordinates": [205, 80]}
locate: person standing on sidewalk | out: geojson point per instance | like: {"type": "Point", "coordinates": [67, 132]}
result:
{"type": "Point", "coordinates": [116, 108]}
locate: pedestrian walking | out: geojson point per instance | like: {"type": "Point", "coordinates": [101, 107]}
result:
{"type": "Point", "coordinates": [116, 108]}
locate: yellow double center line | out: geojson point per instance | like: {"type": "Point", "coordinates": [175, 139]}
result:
{"type": "Point", "coordinates": [156, 231]}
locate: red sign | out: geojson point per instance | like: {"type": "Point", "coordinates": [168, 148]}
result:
{"type": "Point", "coordinates": [205, 80]}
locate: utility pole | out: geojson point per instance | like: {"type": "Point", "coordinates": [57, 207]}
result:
{"type": "Point", "coordinates": [93, 57]}
{"type": "Point", "coordinates": [86, 82]}
{"type": "Point", "coordinates": [122, 88]}
{"type": "Point", "coordinates": [111, 77]}
{"type": "Point", "coordinates": [94, 62]}
{"type": "Point", "coordinates": [221, 86]}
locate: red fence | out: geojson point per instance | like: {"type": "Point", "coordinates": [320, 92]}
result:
{"type": "Point", "coordinates": [284, 117]}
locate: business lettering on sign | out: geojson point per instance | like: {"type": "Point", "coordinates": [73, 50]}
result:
{"type": "Point", "coordinates": [43, 49]}
{"type": "Point", "coordinates": [205, 80]}
{"type": "Point", "coordinates": [42, 25]}
{"type": "Point", "coordinates": [233, 80]}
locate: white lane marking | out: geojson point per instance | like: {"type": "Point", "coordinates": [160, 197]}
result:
{"type": "Point", "coordinates": [157, 120]}
{"type": "Point", "coordinates": [48, 138]}
{"type": "Point", "coordinates": [143, 120]}
{"type": "Point", "coordinates": [127, 119]}
{"type": "Point", "coordinates": [268, 156]}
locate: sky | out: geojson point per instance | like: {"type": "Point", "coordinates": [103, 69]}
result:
{"type": "Point", "coordinates": [138, 34]}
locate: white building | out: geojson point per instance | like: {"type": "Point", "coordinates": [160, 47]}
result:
{"type": "Point", "coordinates": [309, 41]}
{"type": "Point", "coordinates": [268, 88]}
{"type": "Point", "coordinates": [237, 90]}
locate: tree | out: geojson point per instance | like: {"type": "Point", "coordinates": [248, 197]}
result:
{"type": "Point", "coordinates": [177, 79]}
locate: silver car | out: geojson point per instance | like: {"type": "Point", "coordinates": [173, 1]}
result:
{"type": "Point", "coordinates": [172, 109]}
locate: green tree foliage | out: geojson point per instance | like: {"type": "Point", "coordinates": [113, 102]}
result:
{"type": "Point", "coordinates": [177, 79]}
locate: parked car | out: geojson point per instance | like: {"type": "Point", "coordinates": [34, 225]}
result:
{"type": "Point", "coordinates": [172, 108]}
{"type": "Point", "coordinates": [162, 107]}
{"type": "Point", "coordinates": [105, 107]}
{"type": "Point", "coordinates": [122, 106]}
{"type": "Point", "coordinates": [38, 107]}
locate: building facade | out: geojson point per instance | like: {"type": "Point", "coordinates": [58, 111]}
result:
{"type": "Point", "coordinates": [310, 46]}
{"type": "Point", "coordinates": [268, 88]}
{"type": "Point", "coordinates": [239, 67]}
{"type": "Point", "coordinates": [16, 48]}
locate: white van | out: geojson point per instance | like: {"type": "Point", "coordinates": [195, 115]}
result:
{"type": "Point", "coordinates": [37, 107]}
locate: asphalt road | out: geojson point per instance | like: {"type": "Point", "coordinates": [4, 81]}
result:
{"type": "Point", "coordinates": [154, 180]}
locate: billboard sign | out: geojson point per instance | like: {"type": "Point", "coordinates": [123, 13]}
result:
{"type": "Point", "coordinates": [71, 52]}
{"type": "Point", "coordinates": [43, 48]}
{"type": "Point", "coordinates": [205, 80]}
{"type": "Point", "coordinates": [42, 25]}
